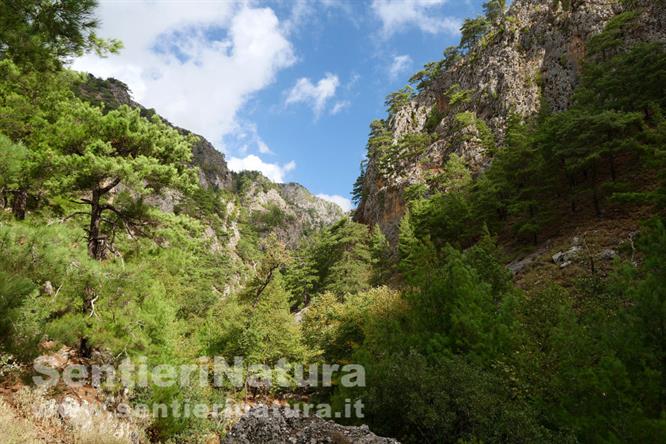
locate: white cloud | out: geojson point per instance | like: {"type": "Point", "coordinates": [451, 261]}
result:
{"type": "Point", "coordinates": [313, 95]}
{"type": "Point", "coordinates": [273, 171]}
{"type": "Point", "coordinates": [301, 10]}
{"type": "Point", "coordinates": [397, 15]}
{"type": "Point", "coordinates": [197, 66]}
{"type": "Point", "coordinates": [246, 138]}
{"type": "Point", "coordinates": [340, 105]}
{"type": "Point", "coordinates": [263, 148]}
{"type": "Point", "coordinates": [307, 12]}
{"type": "Point", "coordinates": [342, 202]}
{"type": "Point", "coordinates": [400, 64]}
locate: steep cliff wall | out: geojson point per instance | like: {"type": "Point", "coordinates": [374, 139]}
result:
{"type": "Point", "coordinates": [529, 60]}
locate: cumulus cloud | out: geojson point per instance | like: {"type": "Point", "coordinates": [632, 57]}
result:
{"type": "Point", "coordinates": [273, 171]}
{"type": "Point", "coordinates": [400, 64]}
{"type": "Point", "coordinates": [197, 66]}
{"type": "Point", "coordinates": [340, 201]}
{"type": "Point", "coordinates": [397, 15]}
{"type": "Point", "coordinates": [315, 95]}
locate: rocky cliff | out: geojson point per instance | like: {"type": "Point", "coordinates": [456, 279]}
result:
{"type": "Point", "coordinates": [287, 210]}
{"type": "Point", "coordinates": [529, 59]}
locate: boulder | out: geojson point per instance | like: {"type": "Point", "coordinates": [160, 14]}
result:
{"type": "Point", "coordinates": [277, 425]}
{"type": "Point", "coordinates": [565, 258]}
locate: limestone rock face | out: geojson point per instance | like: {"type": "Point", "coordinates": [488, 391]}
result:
{"type": "Point", "coordinates": [303, 212]}
{"type": "Point", "coordinates": [263, 425]}
{"type": "Point", "coordinates": [213, 170]}
{"type": "Point", "coordinates": [72, 419]}
{"type": "Point", "coordinates": [534, 58]}
{"type": "Point", "coordinates": [287, 209]}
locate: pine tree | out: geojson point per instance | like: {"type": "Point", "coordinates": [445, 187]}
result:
{"type": "Point", "coordinates": [456, 177]}
{"type": "Point", "coordinates": [582, 142]}
{"type": "Point", "coordinates": [30, 101]}
{"type": "Point", "coordinates": [358, 190]}
{"type": "Point", "coordinates": [98, 152]}
{"type": "Point", "coordinates": [13, 160]}
{"type": "Point", "coordinates": [302, 278]}
{"type": "Point", "coordinates": [382, 257]}
{"type": "Point", "coordinates": [397, 100]}
{"type": "Point", "coordinates": [494, 10]}
{"type": "Point", "coordinates": [349, 269]}
{"type": "Point", "coordinates": [472, 31]}
{"type": "Point", "coordinates": [44, 33]}
{"type": "Point", "coordinates": [522, 165]}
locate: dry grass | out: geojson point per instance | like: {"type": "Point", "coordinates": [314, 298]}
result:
{"type": "Point", "coordinates": [43, 424]}
{"type": "Point", "coordinates": [96, 437]}
{"type": "Point", "coordinates": [16, 430]}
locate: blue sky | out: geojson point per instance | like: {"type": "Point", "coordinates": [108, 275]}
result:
{"type": "Point", "coordinates": [288, 87]}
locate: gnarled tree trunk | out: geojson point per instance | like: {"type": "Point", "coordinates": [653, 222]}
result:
{"type": "Point", "coordinates": [20, 204]}
{"type": "Point", "coordinates": [97, 240]}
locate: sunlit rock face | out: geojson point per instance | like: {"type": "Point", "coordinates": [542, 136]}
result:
{"type": "Point", "coordinates": [534, 59]}
{"type": "Point", "coordinates": [300, 211]}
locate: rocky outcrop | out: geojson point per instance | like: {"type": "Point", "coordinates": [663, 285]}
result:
{"type": "Point", "coordinates": [213, 170]}
{"type": "Point", "coordinates": [70, 419]}
{"type": "Point", "coordinates": [531, 59]}
{"type": "Point", "coordinates": [302, 211]}
{"type": "Point", "coordinates": [288, 210]}
{"type": "Point", "coordinates": [264, 425]}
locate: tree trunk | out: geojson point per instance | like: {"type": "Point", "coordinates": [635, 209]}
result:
{"type": "Point", "coordinates": [572, 190]}
{"type": "Point", "coordinates": [85, 350]}
{"type": "Point", "coordinates": [20, 203]}
{"type": "Point", "coordinates": [95, 242]}
{"type": "Point", "coordinates": [595, 197]}
{"type": "Point", "coordinates": [595, 192]}
{"type": "Point", "coordinates": [612, 167]}
{"type": "Point", "coordinates": [532, 214]}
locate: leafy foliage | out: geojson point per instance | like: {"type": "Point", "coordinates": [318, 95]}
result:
{"type": "Point", "coordinates": [43, 33]}
{"type": "Point", "coordinates": [453, 350]}
{"type": "Point", "coordinates": [336, 260]}
{"type": "Point", "coordinates": [398, 100]}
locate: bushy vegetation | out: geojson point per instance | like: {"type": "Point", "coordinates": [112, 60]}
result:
{"type": "Point", "coordinates": [460, 354]}
{"type": "Point", "coordinates": [453, 350]}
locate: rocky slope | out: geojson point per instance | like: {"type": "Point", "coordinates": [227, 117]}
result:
{"type": "Point", "coordinates": [277, 426]}
{"type": "Point", "coordinates": [530, 60]}
{"type": "Point", "coordinates": [287, 210]}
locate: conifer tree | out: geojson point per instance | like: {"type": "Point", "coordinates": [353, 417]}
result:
{"type": "Point", "coordinates": [382, 257]}
{"type": "Point", "coordinates": [494, 10]}
{"type": "Point", "coordinates": [586, 145]}
{"type": "Point", "coordinates": [349, 265]}
{"type": "Point", "coordinates": [30, 101]}
{"type": "Point", "coordinates": [13, 158]}
{"type": "Point", "coordinates": [97, 152]}
{"type": "Point", "coordinates": [44, 33]}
